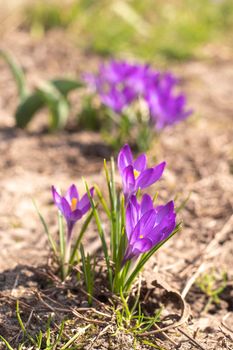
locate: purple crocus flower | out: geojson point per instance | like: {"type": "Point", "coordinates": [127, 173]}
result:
{"type": "Point", "coordinates": [135, 174]}
{"type": "Point", "coordinates": [166, 108]}
{"type": "Point", "coordinates": [71, 207]}
{"type": "Point", "coordinates": [116, 71]}
{"type": "Point", "coordinates": [117, 99]}
{"type": "Point", "coordinates": [146, 225]}
{"type": "Point", "coordinates": [120, 83]}
{"type": "Point", "coordinates": [111, 85]}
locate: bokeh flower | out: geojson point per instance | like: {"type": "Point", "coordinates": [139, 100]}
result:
{"type": "Point", "coordinates": [119, 84]}
{"type": "Point", "coordinates": [166, 107]}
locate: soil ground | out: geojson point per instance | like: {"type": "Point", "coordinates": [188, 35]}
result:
{"type": "Point", "coordinates": [199, 156]}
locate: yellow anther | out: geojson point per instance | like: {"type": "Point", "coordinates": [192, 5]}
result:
{"type": "Point", "coordinates": [74, 203]}
{"type": "Point", "coordinates": [141, 236]}
{"type": "Point", "coordinates": [136, 173]}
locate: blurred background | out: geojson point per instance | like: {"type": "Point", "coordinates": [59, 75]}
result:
{"type": "Point", "coordinates": [149, 29]}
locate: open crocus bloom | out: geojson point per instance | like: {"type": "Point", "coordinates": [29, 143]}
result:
{"type": "Point", "coordinates": [146, 225]}
{"type": "Point", "coordinates": [71, 207]}
{"type": "Point", "coordinates": [135, 173]}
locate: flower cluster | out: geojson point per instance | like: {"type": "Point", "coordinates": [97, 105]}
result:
{"type": "Point", "coordinates": [137, 227]}
{"type": "Point", "coordinates": [120, 83]}
{"type": "Point", "coordinates": [146, 225]}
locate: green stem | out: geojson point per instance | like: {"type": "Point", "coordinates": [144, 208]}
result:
{"type": "Point", "coordinates": [79, 239]}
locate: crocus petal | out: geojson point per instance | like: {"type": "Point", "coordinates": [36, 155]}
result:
{"type": "Point", "coordinates": [170, 226]}
{"type": "Point", "coordinates": [76, 215]}
{"type": "Point", "coordinates": [134, 250]}
{"type": "Point", "coordinates": [146, 226]}
{"type": "Point", "coordinates": [150, 176]}
{"type": "Point", "coordinates": [128, 255]}
{"type": "Point", "coordinates": [56, 197]}
{"type": "Point", "coordinates": [72, 192]}
{"type": "Point", "coordinates": [142, 246]}
{"type": "Point", "coordinates": [143, 226]}
{"type": "Point", "coordinates": [114, 99]}
{"type": "Point", "coordinates": [146, 204]}
{"type": "Point", "coordinates": [140, 163]}
{"type": "Point", "coordinates": [128, 180]}
{"type": "Point", "coordinates": [162, 231]}
{"type": "Point", "coordinates": [84, 204]}
{"type": "Point", "coordinates": [164, 210]}
{"type": "Point", "coordinates": [132, 216]}
{"type": "Point", "coordinates": [65, 208]}
{"type": "Point", "coordinates": [125, 158]}
{"type": "Point", "coordinates": [144, 179]}
{"type": "Point", "coordinates": [147, 222]}
{"type": "Point", "coordinates": [167, 217]}
{"type": "Point", "coordinates": [166, 221]}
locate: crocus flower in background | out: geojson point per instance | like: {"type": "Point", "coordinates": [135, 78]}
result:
{"type": "Point", "coordinates": [135, 174]}
{"type": "Point", "coordinates": [166, 107]}
{"type": "Point", "coordinates": [71, 207]}
{"type": "Point", "coordinates": [146, 225]}
{"type": "Point", "coordinates": [122, 73]}
{"type": "Point", "coordinates": [117, 99]}
{"type": "Point", "coordinates": [111, 85]}
{"type": "Point", "coordinates": [120, 83]}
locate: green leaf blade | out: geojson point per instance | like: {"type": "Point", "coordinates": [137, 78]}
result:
{"type": "Point", "coordinates": [64, 86]}
{"type": "Point", "coordinates": [27, 108]}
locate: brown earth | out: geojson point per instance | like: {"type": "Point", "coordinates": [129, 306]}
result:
{"type": "Point", "coordinates": [199, 155]}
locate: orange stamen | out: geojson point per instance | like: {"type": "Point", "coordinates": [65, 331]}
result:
{"type": "Point", "coordinates": [74, 203]}
{"type": "Point", "coordinates": [136, 173]}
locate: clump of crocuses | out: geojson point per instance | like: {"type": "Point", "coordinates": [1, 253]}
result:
{"type": "Point", "coordinates": [139, 99]}
{"type": "Point", "coordinates": [137, 225]}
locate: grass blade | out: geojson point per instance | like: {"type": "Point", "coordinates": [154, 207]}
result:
{"type": "Point", "coordinates": [6, 342]}
{"type": "Point", "coordinates": [72, 340]}
{"type": "Point", "coordinates": [102, 201]}
{"type": "Point", "coordinates": [51, 241]}
{"type": "Point", "coordinates": [22, 324]}
{"type": "Point", "coordinates": [17, 73]}
{"type": "Point", "coordinates": [88, 274]}
{"type": "Point", "coordinates": [79, 239]}
{"type": "Point", "coordinates": [101, 233]}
